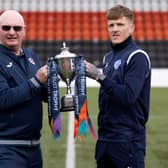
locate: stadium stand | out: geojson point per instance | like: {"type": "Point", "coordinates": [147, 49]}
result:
{"type": "Point", "coordinates": [82, 24]}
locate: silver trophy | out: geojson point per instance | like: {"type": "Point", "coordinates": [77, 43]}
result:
{"type": "Point", "coordinates": [66, 69]}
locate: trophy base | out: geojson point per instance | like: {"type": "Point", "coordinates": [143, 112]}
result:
{"type": "Point", "coordinates": [67, 103]}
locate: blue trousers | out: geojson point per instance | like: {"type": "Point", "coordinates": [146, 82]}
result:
{"type": "Point", "coordinates": [118, 155]}
{"type": "Point", "coordinates": [20, 156]}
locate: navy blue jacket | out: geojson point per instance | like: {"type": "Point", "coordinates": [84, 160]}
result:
{"type": "Point", "coordinates": [20, 96]}
{"type": "Point", "coordinates": [124, 94]}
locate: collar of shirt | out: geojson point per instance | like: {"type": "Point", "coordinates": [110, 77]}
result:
{"type": "Point", "coordinates": [122, 45]}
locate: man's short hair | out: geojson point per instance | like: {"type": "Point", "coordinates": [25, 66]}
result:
{"type": "Point", "coordinates": [119, 11]}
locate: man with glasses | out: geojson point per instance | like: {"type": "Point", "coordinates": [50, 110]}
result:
{"type": "Point", "coordinates": [123, 97]}
{"type": "Point", "coordinates": [22, 89]}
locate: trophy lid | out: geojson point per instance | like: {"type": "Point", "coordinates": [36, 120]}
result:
{"type": "Point", "coordinates": [65, 53]}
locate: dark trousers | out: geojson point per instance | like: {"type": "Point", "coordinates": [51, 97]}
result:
{"type": "Point", "coordinates": [118, 155]}
{"type": "Point", "coordinates": [20, 156]}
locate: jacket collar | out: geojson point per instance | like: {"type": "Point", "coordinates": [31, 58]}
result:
{"type": "Point", "coordinates": [122, 45]}
{"type": "Point", "coordinates": [8, 52]}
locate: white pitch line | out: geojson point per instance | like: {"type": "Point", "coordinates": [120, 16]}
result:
{"type": "Point", "coordinates": [70, 154]}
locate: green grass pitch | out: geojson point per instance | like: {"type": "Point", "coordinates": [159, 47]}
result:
{"type": "Point", "coordinates": [54, 151]}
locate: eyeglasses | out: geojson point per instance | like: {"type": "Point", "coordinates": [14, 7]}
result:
{"type": "Point", "coordinates": [15, 28]}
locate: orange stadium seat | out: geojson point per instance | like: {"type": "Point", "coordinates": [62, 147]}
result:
{"type": "Point", "coordinates": [86, 17]}
{"type": "Point", "coordinates": [103, 35]}
{"type": "Point", "coordinates": [148, 16]}
{"type": "Point", "coordinates": [59, 34]}
{"type": "Point", "coordinates": [165, 32]}
{"type": "Point", "coordinates": [76, 35]}
{"type": "Point", "coordinates": [91, 25]}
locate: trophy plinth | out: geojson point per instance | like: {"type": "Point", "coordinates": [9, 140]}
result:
{"type": "Point", "coordinates": [66, 69]}
{"type": "Point", "coordinates": [67, 103]}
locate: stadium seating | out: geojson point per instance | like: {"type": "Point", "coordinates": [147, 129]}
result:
{"type": "Point", "coordinates": [83, 27]}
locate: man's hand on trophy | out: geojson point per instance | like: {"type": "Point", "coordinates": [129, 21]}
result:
{"type": "Point", "coordinates": [93, 72]}
{"type": "Point", "coordinates": [42, 74]}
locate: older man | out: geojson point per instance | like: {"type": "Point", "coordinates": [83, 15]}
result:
{"type": "Point", "coordinates": [22, 89]}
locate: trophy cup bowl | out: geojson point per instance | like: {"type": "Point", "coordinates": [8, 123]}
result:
{"type": "Point", "coordinates": [66, 69]}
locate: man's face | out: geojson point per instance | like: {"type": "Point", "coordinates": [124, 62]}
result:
{"type": "Point", "coordinates": [11, 32]}
{"type": "Point", "coordinates": [119, 30]}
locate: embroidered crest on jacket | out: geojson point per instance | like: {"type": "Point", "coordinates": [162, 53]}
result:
{"type": "Point", "coordinates": [117, 64]}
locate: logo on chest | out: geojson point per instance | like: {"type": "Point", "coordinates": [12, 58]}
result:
{"type": "Point", "coordinates": [117, 64]}
{"type": "Point", "coordinates": [9, 65]}
{"type": "Point", "coordinates": [31, 60]}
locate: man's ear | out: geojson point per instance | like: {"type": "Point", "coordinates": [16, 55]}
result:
{"type": "Point", "coordinates": [132, 28]}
